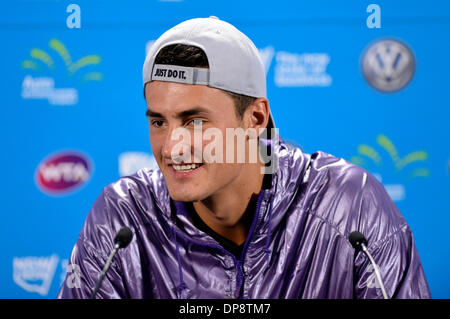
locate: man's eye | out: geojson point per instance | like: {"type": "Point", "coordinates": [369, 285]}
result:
{"type": "Point", "coordinates": [157, 123]}
{"type": "Point", "coordinates": [195, 122]}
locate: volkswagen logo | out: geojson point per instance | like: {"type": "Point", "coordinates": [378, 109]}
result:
{"type": "Point", "coordinates": [388, 65]}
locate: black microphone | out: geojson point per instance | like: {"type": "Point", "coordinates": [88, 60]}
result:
{"type": "Point", "coordinates": [359, 242]}
{"type": "Point", "coordinates": [122, 240]}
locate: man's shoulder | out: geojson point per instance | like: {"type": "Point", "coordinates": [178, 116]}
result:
{"type": "Point", "coordinates": [130, 201]}
{"type": "Point", "coordinates": [134, 196]}
{"type": "Point", "coordinates": [338, 171]}
{"type": "Point", "coordinates": [143, 181]}
{"type": "Point", "coordinates": [349, 198]}
{"type": "Point", "coordinates": [319, 166]}
{"type": "Point", "coordinates": [336, 174]}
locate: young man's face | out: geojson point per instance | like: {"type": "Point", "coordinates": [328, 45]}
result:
{"type": "Point", "coordinates": [172, 106]}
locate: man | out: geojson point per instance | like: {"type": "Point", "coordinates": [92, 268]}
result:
{"type": "Point", "coordinates": [208, 228]}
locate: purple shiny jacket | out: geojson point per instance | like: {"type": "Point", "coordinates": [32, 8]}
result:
{"type": "Point", "coordinates": [297, 246]}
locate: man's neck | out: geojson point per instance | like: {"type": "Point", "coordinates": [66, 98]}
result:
{"type": "Point", "coordinates": [230, 213]}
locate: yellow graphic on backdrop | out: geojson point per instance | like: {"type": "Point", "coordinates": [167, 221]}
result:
{"type": "Point", "coordinates": [367, 152]}
{"type": "Point", "coordinates": [42, 86]}
{"type": "Point", "coordinates": [41, 57]}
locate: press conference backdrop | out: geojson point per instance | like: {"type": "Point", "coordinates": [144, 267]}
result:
{"type": "Point", "coordinates": [364, 80]}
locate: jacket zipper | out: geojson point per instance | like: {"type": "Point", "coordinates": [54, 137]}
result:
{"type": "Point", "coordinates": [240, 263]}
{"type": "Point", "coordinates": [237, 262]}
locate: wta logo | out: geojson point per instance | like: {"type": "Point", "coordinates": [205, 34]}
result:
{"type": "Point", "coordinates": [64, 172]}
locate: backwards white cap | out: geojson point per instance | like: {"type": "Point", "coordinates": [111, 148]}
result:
{"type": "Point", "coordinates": [234, 61]}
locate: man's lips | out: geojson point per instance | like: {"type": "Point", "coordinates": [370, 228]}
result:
{"type": "Point", "coordinates": [183, 170]}
{"type": "Point", "coordinates": [186, 166]}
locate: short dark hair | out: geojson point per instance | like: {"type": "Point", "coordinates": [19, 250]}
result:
{"type": "Point", "coordinates": [192, 56]}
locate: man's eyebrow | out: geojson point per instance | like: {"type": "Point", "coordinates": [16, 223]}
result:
{"type": "Point", "coordinates": [150, 113]}
{"type": "Point", "coordinates": [196, 110]}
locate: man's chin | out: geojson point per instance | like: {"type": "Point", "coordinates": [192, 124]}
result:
{"type": "Point", "coordinates": [184, 197]}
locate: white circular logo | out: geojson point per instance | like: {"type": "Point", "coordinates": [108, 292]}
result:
{"type": "Point", "coordinates": [388, 65]}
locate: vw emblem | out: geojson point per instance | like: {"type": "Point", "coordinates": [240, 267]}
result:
{"type": "Point", "coordinates": [388, 65]}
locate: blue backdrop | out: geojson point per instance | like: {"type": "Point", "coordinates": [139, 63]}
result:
{"type": "Point", "coordinates": [73, 114]}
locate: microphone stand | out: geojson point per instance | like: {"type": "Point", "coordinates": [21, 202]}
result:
{"type": "Point", "coordinates": [105, 269]}
{"type": "Point", "coordinates": [377, 271]}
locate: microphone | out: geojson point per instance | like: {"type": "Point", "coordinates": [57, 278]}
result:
{"type": "Point", "coordinates": [122, 240]}
{"type": "Point", "coordinates": [359, 242]}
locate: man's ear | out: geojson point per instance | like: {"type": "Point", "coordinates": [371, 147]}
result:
{"type": "Point", "coordinates": [258, 114]}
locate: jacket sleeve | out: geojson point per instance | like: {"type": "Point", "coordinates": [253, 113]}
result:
{"type": "Point", "coordinates": [89, 256]}
{"type": "Point", "coordinates": [391, 244]}
{"type": "Point", "coordinates": [400, 268]}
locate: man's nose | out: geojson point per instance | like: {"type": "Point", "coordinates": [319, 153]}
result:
{"type": "Point", "coordinates": [177, 144]}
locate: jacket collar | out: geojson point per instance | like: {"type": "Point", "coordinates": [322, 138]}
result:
{"type": "Point", "coordinates": [283, 186]}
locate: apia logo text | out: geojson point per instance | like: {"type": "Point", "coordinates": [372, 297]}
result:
{"type": "Point", "coordinates": [43, 67]}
